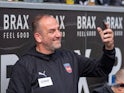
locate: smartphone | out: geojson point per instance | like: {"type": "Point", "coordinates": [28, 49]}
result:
{"type": "Point", "coordinates": [104, 24]}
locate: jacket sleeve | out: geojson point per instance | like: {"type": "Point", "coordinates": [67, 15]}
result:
{"type": "Point", "coordinates": [103, 89]}
{"type": "Point", "coordinates": [97, 68]}
{"type": "Point", "coordinates": [19, 81]}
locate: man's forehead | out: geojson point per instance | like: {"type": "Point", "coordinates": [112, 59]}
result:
{"type": "Point", "coordinates": [48, 20]}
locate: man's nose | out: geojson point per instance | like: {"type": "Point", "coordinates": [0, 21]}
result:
{"type": "Point", "coordinates": [58, 33]}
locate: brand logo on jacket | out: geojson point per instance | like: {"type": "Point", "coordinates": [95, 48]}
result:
{"type": "Point", "coordinates": [68, 67]}
{"type": "Point", "coordinates": [43, 74]}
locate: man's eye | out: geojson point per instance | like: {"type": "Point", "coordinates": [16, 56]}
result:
{"type": "Point", "coordinates": [51, 31]}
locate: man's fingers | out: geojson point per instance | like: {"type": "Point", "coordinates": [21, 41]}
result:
{"type": "Point", "coordinates": [107, 26]}
{"type": "Point", "coordinates": [100, 31]}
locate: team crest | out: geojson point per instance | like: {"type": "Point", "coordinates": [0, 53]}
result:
{"type": "Point", "coordinates": [68, 67]}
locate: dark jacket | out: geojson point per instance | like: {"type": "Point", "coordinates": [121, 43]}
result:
{"type": "Point", "coordinates": [63, 68]}
{"type": "Point", "coordinates": [104, 89]}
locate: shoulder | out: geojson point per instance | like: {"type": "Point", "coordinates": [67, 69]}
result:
{"type": "Point", "coordinates": [103, 89]}
{"type": "Point", "coordinates": [24, 59]}
{"type": "Point", "coordinates": [99, 90]}
{"type": "Point", "coordinates": [24, 62]}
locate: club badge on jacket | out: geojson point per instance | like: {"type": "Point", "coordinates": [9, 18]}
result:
{"type": "Point", "coordinates": [68, 67]}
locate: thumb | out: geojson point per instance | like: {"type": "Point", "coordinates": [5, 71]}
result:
{"type": "Point", "coordinates": [100, 31]}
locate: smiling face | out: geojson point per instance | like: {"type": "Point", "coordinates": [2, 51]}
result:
{"type": "Point", "coordinates": [48, 35]}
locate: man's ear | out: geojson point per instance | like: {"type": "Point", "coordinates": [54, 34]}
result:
{"type": "Point", "coordinates": [38, 37]}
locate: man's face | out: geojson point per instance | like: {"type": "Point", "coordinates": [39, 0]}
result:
{"type": "Point", "coordinates": [50, 35]}
{"type": "Point", "coordinates": [119, 89]}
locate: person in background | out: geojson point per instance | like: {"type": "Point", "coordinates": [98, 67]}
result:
{"type": "Point", "coordinates": [46, 68]}
{"type": "Point", "coordinates": [115, 2]}
{"type": "Point", "coordinates": [109, 2]}
{"type": "Point", "coordinates": [102, 2]}
{"type": "Point", "coordinates": [117, 87]}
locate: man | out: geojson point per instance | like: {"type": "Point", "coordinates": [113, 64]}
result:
{"type": "Point", "coordinates": [46, 69]}
{"type": "Point", "coordinates": [118, 87]}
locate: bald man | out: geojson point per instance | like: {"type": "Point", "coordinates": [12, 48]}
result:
{"type": "Point", "coordinates": [48, 69]}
